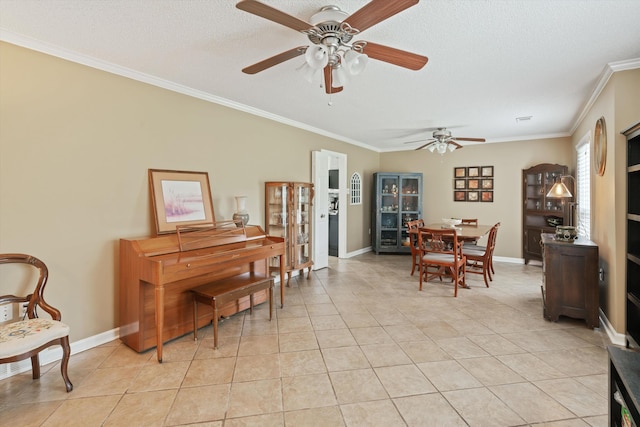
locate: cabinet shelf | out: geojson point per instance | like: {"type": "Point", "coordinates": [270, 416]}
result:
{"type": "Point", "coordinates": [634, 168]}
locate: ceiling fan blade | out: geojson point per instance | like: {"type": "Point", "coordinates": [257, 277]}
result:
{"type": "Point", "coordinates": [452, 142]}
{"type": "Point", "coordinates": [409, 60]}
{"type": "Point", "coordinates": [328, 80]}
{"type": "Point", "coordinates": [377, 11]}
{"type": "Point", "coordinates": [268, 12]}
{"type": "Point", "coordinates": [428, 140]}
{"type": "Point", "coordinates": [424, 146]}
{"type": "Point", "coordinates": [274, 60]}
{"type": "Point", "coordinates": [470, 139]}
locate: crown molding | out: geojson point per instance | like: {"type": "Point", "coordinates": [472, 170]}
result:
{"type": "Point", "coordinates": [49, 49]}
{"type": "Point", "coordinates": [605, 75]}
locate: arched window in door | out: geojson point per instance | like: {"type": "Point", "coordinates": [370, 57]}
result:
{"type": "Point", "coordinates": [356, 189]}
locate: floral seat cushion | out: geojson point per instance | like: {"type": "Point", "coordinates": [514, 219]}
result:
{"type": "Point", "coordinates": [25, 335]}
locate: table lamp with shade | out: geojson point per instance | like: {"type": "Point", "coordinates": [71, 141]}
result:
{"type": "Point", "coordinates": [560, 191]}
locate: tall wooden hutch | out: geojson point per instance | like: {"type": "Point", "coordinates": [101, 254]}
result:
{"type": "Point", "coordinates": [288, 214]}
{"type": "Point", "coordinates": [539, 213]}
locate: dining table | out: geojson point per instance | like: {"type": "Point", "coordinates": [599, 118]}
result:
{"type": "Point", "coordinates": [465, 232]}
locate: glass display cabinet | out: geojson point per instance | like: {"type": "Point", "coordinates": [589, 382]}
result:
{"type": "Point", "coordinates": [397, 200]}
{"type": "Point", "coordinates": [288, 215]}
{"type": "Point", "coordinates": [539, 213]}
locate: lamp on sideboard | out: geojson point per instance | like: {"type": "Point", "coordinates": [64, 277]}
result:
{"type": "Point", "coordinates": [560, 191]}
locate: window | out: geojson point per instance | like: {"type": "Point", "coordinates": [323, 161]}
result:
{"type": "Point", "coordinates": [583, 184]}
{"type": "Point", "coordinates": [356, 189]}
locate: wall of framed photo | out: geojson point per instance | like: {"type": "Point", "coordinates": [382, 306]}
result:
{"type": "Point", "coordinates": [473, 184]}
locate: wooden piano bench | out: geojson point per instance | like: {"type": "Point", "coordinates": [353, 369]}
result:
{"type": "Point", "coordinates": [223, 291]}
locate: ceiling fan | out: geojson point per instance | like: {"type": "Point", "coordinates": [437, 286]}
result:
{"type": "Point", "coordinates": [332, 50]}
{"type": "Point", "coordinates": [443, 141]}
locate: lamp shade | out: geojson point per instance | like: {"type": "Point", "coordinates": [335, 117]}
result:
{"type": "Point", "coordinates": [316, 56]}
{"type": "Point", "coordinates": [355, 62]}
{"type": "Point", "coordinates": [559, 190]}
{"type": "Point", "coordinates": [310, 74]}
{"type": "Point", "coordinates": [340, 77]}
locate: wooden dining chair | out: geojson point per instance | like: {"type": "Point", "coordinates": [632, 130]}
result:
{"type": "Point", "coordinates": [412, 228]}
{"type": "Point", "coordinates": [440, 255]}
{"type": "Point", "coordinates": [28, 337]}
{"type": "Point", "coordinates": [480, 259]}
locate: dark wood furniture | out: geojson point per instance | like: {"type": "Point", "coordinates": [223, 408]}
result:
{"type": "Point", "coordinates": [624, 387]}
{"type": "Point", "coordinates": [570, 279]}
{"type": "Point", "coordinates": [156, 276]}
{"type": "Point", "coordinates": [633, 236]}
{"type": "Point", "coordinates": [397, 199]}
{"type": "Point", "coordinates": [537, 208]}
{"type": "Point", "coordinates": [288, 214]}
{"type": "Point", "coordinates": [480, 259]}
{"type": "Point", "coordinates": [223, 291]}
{"type": "Point", "coordinates": [412, 229]}
{"type": "Point", "coordinates": [441, 255]}
{"type": "Point", "coordinates": [26, 338]}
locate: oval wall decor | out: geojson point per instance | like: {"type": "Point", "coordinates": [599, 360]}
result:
{"type": "Point", "coordinates": [600, 146]}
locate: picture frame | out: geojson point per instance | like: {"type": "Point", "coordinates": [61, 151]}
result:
{"type": "Point", "coordinates": [459, 196]}
{"type": "Point", "coordinates": [180, 198]}
{"type": "Point", "coordinates": [460, 172]}
{"type": "Point", "coordinates": [473, 172]}
{"type": "Point", "coordinates": [487, 184]}
{"type": "Point", "coordinates": [487, 171]}
{"type": "Point", "coordinates": [473, 184]}
{"type": "Point", "coordinates": [486, 196]}
{"type": "Point", "coordinates": [460, 184]}
{"type": "Point", "coordinates": [473, 196]}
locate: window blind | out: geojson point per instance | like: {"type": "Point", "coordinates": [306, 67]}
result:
{"type": "Point", "coordinates": [583, 184]}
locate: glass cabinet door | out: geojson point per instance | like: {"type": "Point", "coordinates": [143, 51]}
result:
{"type": "Point", "coordinates": [410, 202]}
{"type": "Point", "coordinates": [302, 223]}
{"type": "Point", "coordinates": [389, 211]}
{"type": "Point", "coordinates": [277, 217]}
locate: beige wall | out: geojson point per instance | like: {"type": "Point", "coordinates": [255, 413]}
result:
{"type": "Point", "coordinates": [76, 143]}
{"type": "Point", "coordinates": [75, 147]}
{"type": "Point", "coordinates": [619, 104]}
{"type": "Point", "coordinates": [508, 160]}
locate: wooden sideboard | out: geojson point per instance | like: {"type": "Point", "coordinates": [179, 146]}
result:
{"type": "Point", "coordinates": [570, 279]}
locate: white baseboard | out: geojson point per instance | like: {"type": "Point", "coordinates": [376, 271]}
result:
{"type": "Point", "coordinates": [615, 337]}
{"type": "Point", "coordinates": [358, 252]}
{"type": "Point", "coordinates": [53, 354]}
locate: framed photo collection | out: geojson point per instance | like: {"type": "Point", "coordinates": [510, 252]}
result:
{"type": "Point", "coordinates": [473, 184]}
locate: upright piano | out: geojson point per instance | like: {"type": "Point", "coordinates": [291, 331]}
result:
{"type": "Point", "coordinates": [156, 274]}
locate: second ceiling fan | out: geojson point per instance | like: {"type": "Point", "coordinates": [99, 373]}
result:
{"type": "Point", "coordinates": [332, 50]}
{"type": "Point", "coordinates": [443, 140]}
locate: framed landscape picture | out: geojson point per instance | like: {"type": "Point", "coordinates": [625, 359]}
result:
{"type": "Point", "coordinates": [487, 171]}
{"type": "Point", "coordinates": [459, 172]}
{"type": "Point", "coordinates": [459, 196]}
{"type": "Point", "coordinates": [460, 184]}
{"type": "Point", "coordinates": [473, 196]}
{"type": "Point", "coordinates": [180, 198]}
{"type": "Point", "coordinates": [473, 172]}
{"type": "Point", "coordinates": [473, 184]}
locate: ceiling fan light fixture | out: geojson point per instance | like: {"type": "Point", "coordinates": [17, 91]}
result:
{"type": "Point", "coordinates": [432, 148]}
{"type": "Point", "coordinates": [442, 147]}
{"type": "Point", "coordinates": [340, 76]}
{"type": "Point", "coordinates": [355, 62]}
{"type": "Point", "coordinates": [317, 56]}
{"type": "Point", "coordinates": [310, 74]}
{"type": "Point", "coordinates": [451, 147]}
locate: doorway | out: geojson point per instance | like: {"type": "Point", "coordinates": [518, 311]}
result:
{"type": "Point", "coordinates": [330, 207]}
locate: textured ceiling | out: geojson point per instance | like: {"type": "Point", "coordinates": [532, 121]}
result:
{"type": "Point", "coordinates": [490, 61]}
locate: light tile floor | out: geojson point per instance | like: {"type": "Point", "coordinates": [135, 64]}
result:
{"type": "Point", "coordinates": [355, 345]}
